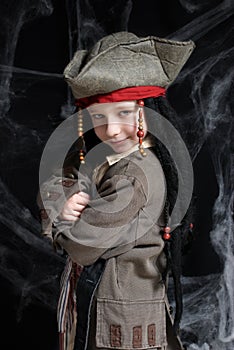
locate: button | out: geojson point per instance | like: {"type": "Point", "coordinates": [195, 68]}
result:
{"type": "Point", "coordinates": [70, 175]}
{"type": "Point", "coordinates": [59, 181]}
{"type": "Point", "coordinates": [53, 196]}
{"type": "Point", "coordinates": [68, 183]}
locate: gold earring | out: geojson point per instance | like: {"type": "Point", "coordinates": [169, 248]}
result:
{"type": "Point", "coordinates": [80, 135]}
{"type": "Point", "coordinates": [140, 132]}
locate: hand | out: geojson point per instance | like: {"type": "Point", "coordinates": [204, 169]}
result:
{"type": "Point", "coordinates": [74, 206]}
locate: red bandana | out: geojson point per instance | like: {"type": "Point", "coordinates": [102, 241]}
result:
{"type": "Point", "coordinates": [125, 94]}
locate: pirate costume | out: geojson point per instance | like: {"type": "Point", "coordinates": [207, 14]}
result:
{"type": "Point", "coordinates": [113, 289]}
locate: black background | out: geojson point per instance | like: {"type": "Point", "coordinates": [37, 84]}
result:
{"type": "Point", "coordinates": [28, 320]}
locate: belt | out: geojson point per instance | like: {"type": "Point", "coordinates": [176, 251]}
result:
{"type": "Point", "coordinates": [86, 287]}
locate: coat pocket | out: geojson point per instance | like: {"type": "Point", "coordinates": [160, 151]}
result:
{"type": "Point", "coordinates": [130, 324]}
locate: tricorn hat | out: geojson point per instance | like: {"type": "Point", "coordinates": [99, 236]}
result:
{"type": "Point", "coordinates": [122, 60]}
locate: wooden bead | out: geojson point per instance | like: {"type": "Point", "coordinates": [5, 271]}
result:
{"type": "Point", "coordinates": [141, 103]}
{"type": "Point", "coordinates": [81, 156]}
{"type": "Point", "coordinates": [142, 151]}
{"type": "Point", "coordinates": [167, 229]}
{"type": "Point", "coordinates": [140, 133]}
{"type": "Point", "coordinates": [166, 236]}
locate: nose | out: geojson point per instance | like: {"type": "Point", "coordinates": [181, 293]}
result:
{"type": "Point", "coordinates": [112, 129]}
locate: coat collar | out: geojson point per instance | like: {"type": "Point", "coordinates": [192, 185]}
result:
{"type": "Point", "coordinates": [114, 158]}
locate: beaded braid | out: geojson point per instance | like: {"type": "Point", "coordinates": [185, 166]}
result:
{"type": "Point", "coordinates": [172, 251]}
{"type": "Point", "coordinates": [173, 242]}
{"type": "Point", "coordinates": [162, 106]}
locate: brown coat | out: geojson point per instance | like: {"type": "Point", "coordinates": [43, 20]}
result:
{"type": "Point", "coordinates": [122, 224]}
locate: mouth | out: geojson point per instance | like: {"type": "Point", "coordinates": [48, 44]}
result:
{"type": "Point", "coordinates": [116, 142]}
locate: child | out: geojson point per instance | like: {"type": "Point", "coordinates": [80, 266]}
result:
{"type": "Point", "coordinates": [116, 231]}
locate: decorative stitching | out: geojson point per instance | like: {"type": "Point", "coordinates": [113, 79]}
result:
{"type": "Point", "coordinates": [44, 213]}
{"type": "Point", "coordinates": [137, 337]}
{"type": "Point", "coordinates": [151, 334]}
{"type": "Point", "coordinates": [115, 335]}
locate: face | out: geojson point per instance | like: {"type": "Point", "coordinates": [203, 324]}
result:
{"type": "Point", "coordinates": [116, 124]}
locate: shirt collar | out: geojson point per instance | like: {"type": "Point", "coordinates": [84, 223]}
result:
{"type": "Point", "coordinates": [114, 158]}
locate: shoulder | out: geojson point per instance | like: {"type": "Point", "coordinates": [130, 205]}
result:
{"type": "Point", "coordinates": [135, 165]}
{"type": "Point", "coordinates": [138, 164]}
{"type": "Point", "coordinates": [146, 171]}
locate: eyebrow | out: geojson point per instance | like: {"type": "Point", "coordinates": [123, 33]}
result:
{"type": "Point", "coordinates": [125, 107]}
{"type": "Point", "coordinates": [117, 107]}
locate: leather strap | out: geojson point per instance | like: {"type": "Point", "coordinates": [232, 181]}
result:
{"type": "Point", "coordinates": [86, 287]}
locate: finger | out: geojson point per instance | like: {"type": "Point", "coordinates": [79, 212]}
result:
{"type": "Point", "coordinates": [75, 213]}
{"type": "Point", "coordinates": [71, 212]}
{"type": "Point", "coordinates": [72, 206]}
{"type": "Point", "coordinates": [84, 195]}
{"type": "Point", "coordinates": [71, 209]}
{"type": "Point", "coordinates": [77, 207]}
{"type": "Point", "coordinates": [81, 194]}
{"type": "Point", "coordinates": [68, 217]}
{"type": "Point", "coordinates": [80, 200]}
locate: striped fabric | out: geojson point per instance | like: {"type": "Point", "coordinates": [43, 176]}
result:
{"type": "Point", "coordinates": [66, 312]}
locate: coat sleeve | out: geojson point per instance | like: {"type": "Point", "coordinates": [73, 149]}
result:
{"type": "Point", "coordinates": [53, 194]}
{"type": "Point", "coordinates": [110, 220]}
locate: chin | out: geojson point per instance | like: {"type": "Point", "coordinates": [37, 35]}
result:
{"type": "Point", "coordinates": [122, 148]}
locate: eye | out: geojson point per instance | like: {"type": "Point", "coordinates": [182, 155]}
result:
{"type": "Point", "coordinates": [97, 116]}
{"type": "Point", "coordinates": [125, 113]}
